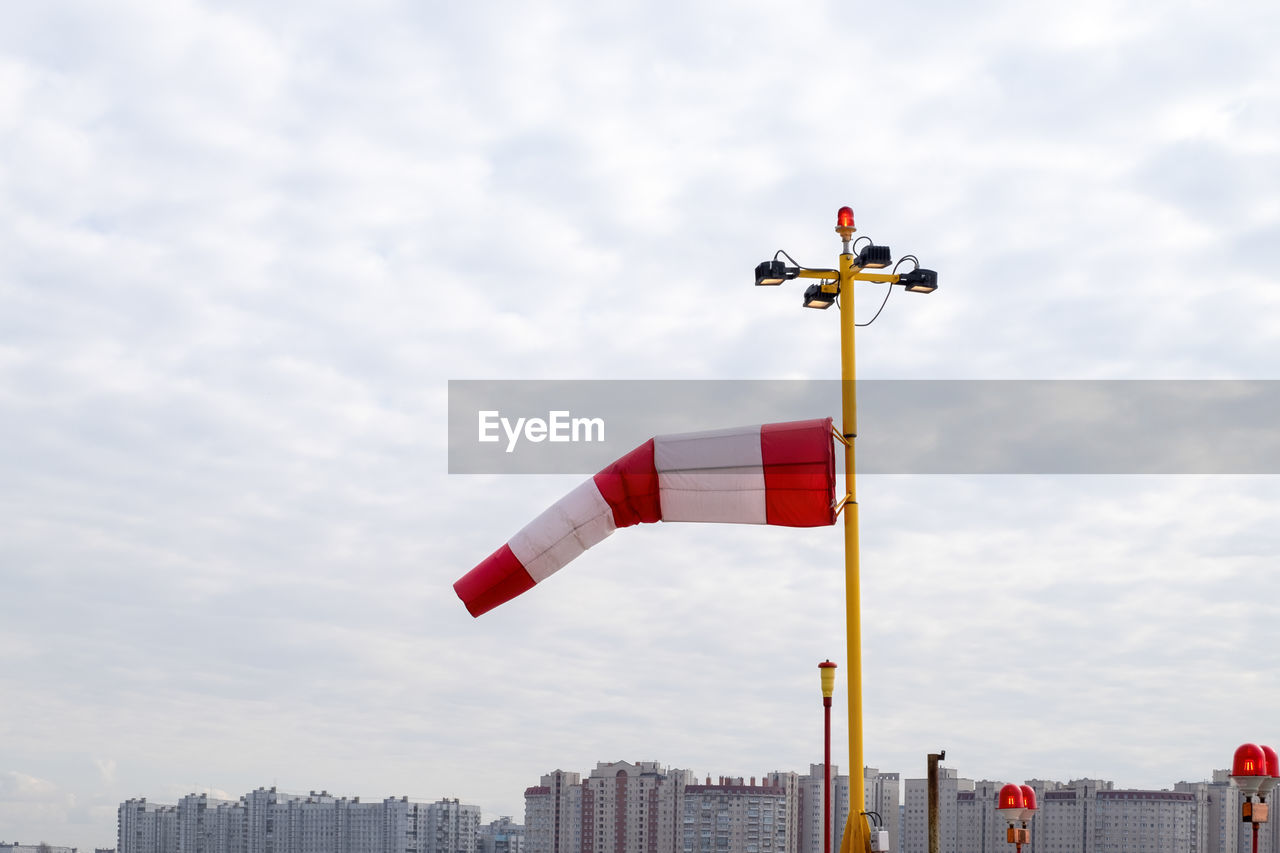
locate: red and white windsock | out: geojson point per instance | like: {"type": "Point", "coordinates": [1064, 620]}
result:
{"type": "Point", "coordinates": [772, 474]}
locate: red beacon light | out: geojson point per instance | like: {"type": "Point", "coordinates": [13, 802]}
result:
{"type": "Point", "coordinates": [1273, 771]}
{"type": "Point", "coordinates": [844, 223]}
{"type": "Point", "coordinates": [1011, 802]}
{"type": "Point", "coordinates": [1249, 768]}
{"type": "Point", "coordinates": [1028, 802]}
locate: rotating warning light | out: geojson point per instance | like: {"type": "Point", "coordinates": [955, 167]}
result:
{"type": "Point", "coordinates": [1249, 768]}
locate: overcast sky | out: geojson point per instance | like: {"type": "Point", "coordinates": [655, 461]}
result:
{"type": "Point", "coordinates": [244, 246]}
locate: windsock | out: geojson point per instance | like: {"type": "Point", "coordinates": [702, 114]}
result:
{"type": "Point", "coordinates": [780, 474]}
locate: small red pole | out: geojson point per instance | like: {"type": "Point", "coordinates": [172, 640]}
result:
{"type": "Point", "coordinates": [826, 779]}
{"type": "Point", "coordinates": [828, 672]}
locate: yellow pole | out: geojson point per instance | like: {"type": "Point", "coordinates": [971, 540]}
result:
{"type": "Point", "coordinates": [856, 837]}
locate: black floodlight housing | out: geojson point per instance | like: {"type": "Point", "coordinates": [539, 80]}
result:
{"type": "Point", "coordinates": [874, 257]}
{"type": "Point", "coordinates": [919, 281]}
{"type": "Point", "coordinates": [820, 295]}
{"type": "Point", "coordinates": [774, 272]}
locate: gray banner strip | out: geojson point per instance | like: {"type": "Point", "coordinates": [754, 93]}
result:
{"type": "Point", "coordinates": [904, 426]}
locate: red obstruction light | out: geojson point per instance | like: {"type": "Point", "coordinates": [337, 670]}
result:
{"type": "Point", "coordinates": [1028, 802]}
{"type": "Point", "coordinates": [1011, 802]}
{"type": "Point", "coordinates": [1273, 771]}
{"type": "Point", "coordinates": [1249, 760]}
{"type": "Point", "coordinates": [1249, 768]}
{"type": "Point", "coordinates": [844, 217]}
{"type": "Point", "coordinates": [1273, 761]}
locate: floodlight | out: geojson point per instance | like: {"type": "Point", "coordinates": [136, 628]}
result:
{"type": "Point", "coordinates": [774, 273]}
{"type": "Point", "coordinates": [820, 295]}
{"type": "Point", "coordinates": [874, 257]}
{"type": "Point", "coordinates": [919, 281]}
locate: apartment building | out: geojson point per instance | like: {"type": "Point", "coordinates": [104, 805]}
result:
{"type": "Point", "coordinates": [731, 815]}
{"type": "Point", "coordinates": [883, 796]}
{"type": "Point", "coordinates": [553, 814]}
{"type": "Point", "coordinates": [269, 821]}
{"type": "Point", "coordinates": [810, 812]}
{"type": "Point", "coordinates": [500, 836]}
{"type": "Point", "coordinates": [645, 808]}
{"type": "Point", "coordinates": [631, 808]}
{"type": "Point", "coordinates": [915, 799]}
{"type": "Point", "coordinates": [1084, 816]}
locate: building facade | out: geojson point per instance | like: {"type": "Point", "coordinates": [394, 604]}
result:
{"type": "Point", "coordinates": [553, 814]}
{"type": "Point", "coordinates": [734, 816]}
{"type": "Point", "coordinates": [883, 797]}
{"type": "Point", "coordinates": [810, 810]}
{"type": "Point", "coordinates": [1085, 816]}
{"type": "Point", "coordinates": [645, 808]}
{"type": "Point", "coordinates": [631, 808]}
{"type": "Point", "coordinates": [268, 821]}
{"type": "Point", "coordinates": [501, 836]}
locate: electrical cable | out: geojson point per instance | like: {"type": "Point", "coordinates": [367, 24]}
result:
{"type": "Point", "coordinates": [797, 264]}
{"type": "Point", "coordinates": [878, 310]}
{"type": "Point", "coordinates": [913, 260]}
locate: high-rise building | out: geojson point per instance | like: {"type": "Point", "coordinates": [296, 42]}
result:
{"type": "Point", "coordinates": [501, 836]}
{"type": "Point", "coordinates": [979, 826]}
{"type": "Point", "coordinates": [883, 793]}
{"type": "Point", "coordinates": [553, 814]}
{"type": "Point", "coordinates": [645, 808]}
{"type": "Point", "coordinates": [1067, 814]}
{"type": "Point", "coordinates": [1144, 820]}
{"type": "Point", "coordinates": [451, 827]}
{"type": "Point", "coordinates": [1218, 827]}
{"type": "Point", "coordinates": [1081, 816]}
{"type": "Point", "coordinates": [809, 791]}
{"type": "Point", "coordinates": [268, 821]}
{"type": "Point", "coordinates": [733, 816]}
{"type": "Point", "coordinates": [144, 827]}
{"type": "Point", "coordinates": [631, 808]}
{"type": "Point", "coordinates": [198, 826]}
{"type": "Point", "coordinates": [915, 829]}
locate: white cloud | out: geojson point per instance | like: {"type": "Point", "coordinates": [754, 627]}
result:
{"type": "Point", "coordinates": [23, 787]}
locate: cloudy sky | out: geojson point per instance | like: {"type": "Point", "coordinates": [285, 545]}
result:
{"type": "Point", "coordinates": [246, 245]}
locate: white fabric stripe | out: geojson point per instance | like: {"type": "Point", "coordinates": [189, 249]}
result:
{"type": "Point", "coordinates": [717, 448]}
{"type": "Point", "coordinates": [734, 495]}
{"type": "Point", "coordinates": [564, 530]}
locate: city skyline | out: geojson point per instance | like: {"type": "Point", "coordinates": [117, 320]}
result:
{"type": "Point", "coordinates": [569, 812]}
{"type": "Point", "coordinates": [902, 782]}
{"type": "Point", "coordinates": [247, 246]}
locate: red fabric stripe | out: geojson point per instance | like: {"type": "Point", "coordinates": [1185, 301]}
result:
{"type": "Point", "coordinates": [499, 578]}
{"type": "Point", "coordinates": [799, 473]}
{"type": "Point", "coordinates": [630, 486]}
